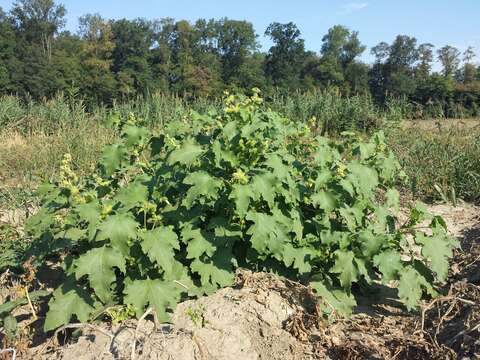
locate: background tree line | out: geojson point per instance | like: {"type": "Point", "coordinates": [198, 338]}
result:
{"type": "Point", "coordinates": [122, 59]}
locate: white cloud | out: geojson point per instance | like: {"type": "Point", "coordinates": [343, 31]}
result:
{"type": "Point", "coordinates": [353, 7]}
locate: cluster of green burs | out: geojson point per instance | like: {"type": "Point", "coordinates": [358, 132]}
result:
{"type": "Point", "coordinates": [172, 215]}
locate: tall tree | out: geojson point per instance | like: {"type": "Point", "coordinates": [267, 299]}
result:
{"type": "Point", "coordinates": [400, 66]}
{"type": "Point", "coordinates": [194, 72]}
{"type": "Point", "coordinates": [394, 72]}
{"type": "Point", "coordinates": [381, 52]}
{"type": "Point", "coordinates": [469, 68]}
{"type": "Point", "coordinates": [449, 57]}
{"type": "Point", "coordinates": [39, 21]}
{"type": "Point", "coordinates": [206, 73]}
{"type": "Point", "coordinates": [66, 64]}
{"type": "Point", "coordinates": [251, 74]}
{"type": "Point", "coordinates": [338, 65]}
{"type": "Point", "coordinates": [284, 61]}
{"type": "Point", "coordinates": [36, 23]}
{"type": "Point", "coordinates": [131, 55]}
{"type": "Point", "coordinates": [425, 57]}
{"type": "Point", "coordinates": [237, 41]}
{"type": "Point", "coordinates": [403, 53]}
{"type": "Point", "coordinates": [98, 81]}
{"type": "Point", "coordinates": [161, 59]}
{"type": "Point", "coordinates": [7, 53]}
{"type": "Point", "coordinates": [342, 44]}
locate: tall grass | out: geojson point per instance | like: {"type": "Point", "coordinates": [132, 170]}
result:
{"type": "Point", "coordinates": [34, 136]}
{"type": "Point", "coordinates": [333, 112]}
{"type": "Point", "coordinates": [443, 162]}
{"type": "Point", "coordinates": [46, 116]}
{"type": "Point", "coordinates": [158, 109]}
{"type": "Point", "coordinates": [27, 159]}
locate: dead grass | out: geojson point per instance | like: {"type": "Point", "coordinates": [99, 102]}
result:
{"type": "Point", "coordinates": [436, 124]}
{"type": "Point", "coordinates": [441, 159]}
{"type": "Point", "coordinates": [28, 159]}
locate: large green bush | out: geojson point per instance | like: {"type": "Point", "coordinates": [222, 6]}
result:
{"type": "Point", "coordinates": [173, 215]}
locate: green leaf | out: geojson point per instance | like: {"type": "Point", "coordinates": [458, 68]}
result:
{"type": "Point", "coordinates": [225, 232]}
{"type": "Point", "coordinates": [347, 186]}
{"type": "Point", "coordinates": [222, 155]}
{"type": "Point", "coordinates": [389, 168]}
{"type": "Point", "coordinates": [160, 295]}
{"type": "Point", "coordinates": [112, 121]}
{"type": "Point", "coordinates": [364, 178]}
{"type": "Point", "coordinates": [437, 250]}
{"type": "Point", "coordinates": [67, 301]}
{"type": "Point", "coordinates": [438, 225]}
{"type": "Point", "coordinates": [324, 154]}
{"type": "Point", "coordinates": [118, 229]}
{"type": "Point", "coordinates": [179, 276]}
{"type": "Point", "coordinates": [352, 217]}
{"type": "Point", "coordinates": [410, 287]}
{"type": "Point", "coordinates": [74, 234]}
{"type": "Point", "coordinates": [186, 154]}
{"type": "Point", "coordinates": [418, 213]}
{"type": "Point", "coordinates": [9, 306]}
{"type": "Point", "coordinates": [230, 130]}
{"type": "Point", "coordinates": [280, 170]}
{"type": "Point", "coordinates": [266, 234]}
{"type": "Point", "coordinates": [98, 264]}
{"type": "Point", "coordinates": [389, 264]}
{"type": "Point", "coordinates": [160, 245]}
{"type": "Point", "coordinates": [135, 135]}
{"type": "Point", "coordinates": [345, 267]}
{"type": "Point", "coordinates": [365, 150]}
{"type": "Point", "coordinates": [393, 198]}
{"type": "Point", "coordinates": [242, 195]}
{"type": "Point", "coordinates": [197, 243]}
{"type": "Point", "coordinates": [41, 222]}
{"type": "Point", "coordinates": [364, 269]}
{"type": "Point", "coordinates": [256, 125]}
{"type": "Point", "coordinates": [370, 243]}
{"type": "Point", "coordinates": [113, 157]}
{"type": "Point", "coordinates": [296, 226]}
{"type": "Point", "coordinates": [133, 195]}
{"type": "Point", "coordinates": [89, 212]}
{"type": "Point", "coordinates": [322, 179]}
{"type": "Point", "coordinates": [334, 299]}
{"type": "Point", "coordinates": [324, 200]}
{"type": "Point", "coordinates": [210, 274]}
{"type": "Point", "coordinates": [217, 270]}
{"type": "Point", "coordinates": [204, 186]}
{"type": "Point", "coordinates": [263, 186]}
{"type": "Point", "coordinates": [383, 221]}
{"type": "Point", "coordinates": [297, 257]}
{"type": "Point", "coordinates": [10, 327]}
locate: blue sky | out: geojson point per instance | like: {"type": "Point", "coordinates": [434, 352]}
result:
{"type": "Point", "coordinates": [437, 21]}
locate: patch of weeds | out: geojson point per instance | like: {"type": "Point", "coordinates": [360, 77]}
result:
{"type": "Point", "coordinates": [119, 314]}
{"type": "Point", "coordinates": [441, 164]}
{"type": "Point", "coordinates": [196, 315]}
{"type": "Point", "coordinates": [12, 248]}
